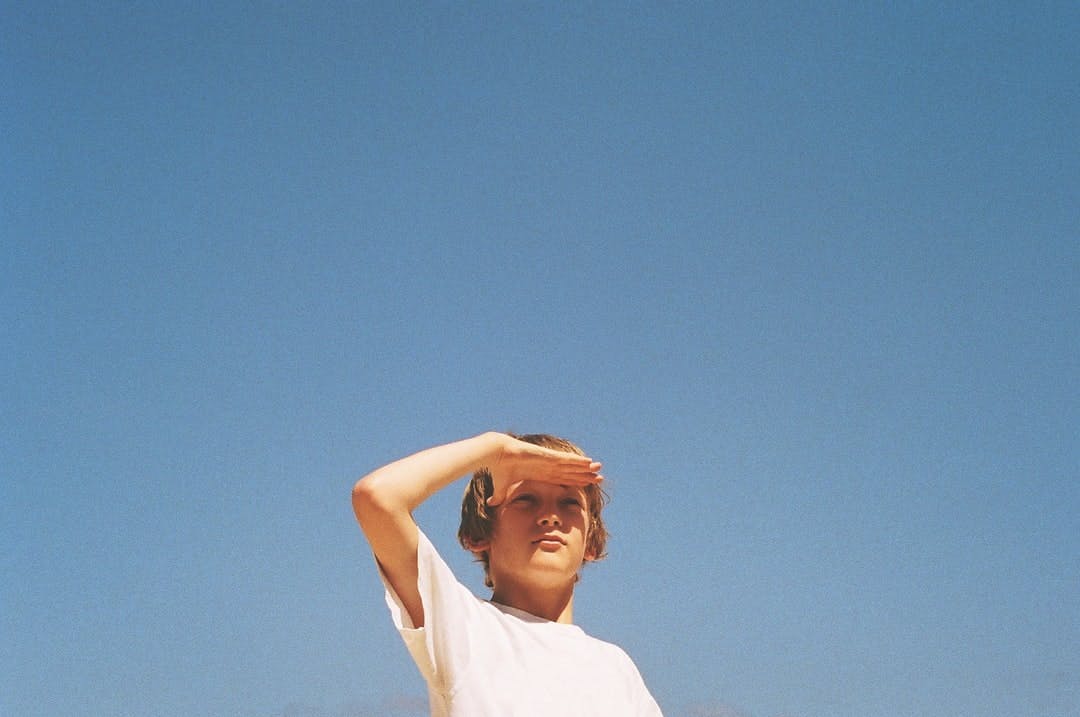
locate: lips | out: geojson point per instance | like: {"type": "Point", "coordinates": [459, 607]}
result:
{"type": "Point", "coordinates": [550, 537]}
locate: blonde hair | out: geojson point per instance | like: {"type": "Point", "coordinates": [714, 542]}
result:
{"type": "Point", "coordinates": [478, 518]}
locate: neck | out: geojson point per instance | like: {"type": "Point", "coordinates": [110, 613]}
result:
{"type": "Point", "coordinates": [554, 605]}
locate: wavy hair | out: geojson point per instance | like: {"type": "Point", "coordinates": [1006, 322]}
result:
{"type": "Point", "coordinates": [478, 518]}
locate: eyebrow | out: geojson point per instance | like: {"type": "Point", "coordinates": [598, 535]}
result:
{"type": "Point", "coordinates": [566, 487]}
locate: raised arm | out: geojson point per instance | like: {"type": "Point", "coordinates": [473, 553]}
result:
{"type": "Point", "coordinates": [385, 498]}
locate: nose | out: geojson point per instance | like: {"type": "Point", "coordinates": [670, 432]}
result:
{"type": "Point", "coordinates": [549, 518]}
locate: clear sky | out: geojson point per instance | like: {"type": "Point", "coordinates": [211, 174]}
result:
{"type": "Point", "coordinates": [806, 277]}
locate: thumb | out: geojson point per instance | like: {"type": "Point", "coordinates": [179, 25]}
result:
{"type": "Point", "coordinates": [497, 496]}
{"type": "Point", "coordinates": [499, 491]}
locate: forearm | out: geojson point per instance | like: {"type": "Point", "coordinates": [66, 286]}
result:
{"type": "Point", "coordinates": [385, 499]}
{"type": "Point", "coordinates": [400, 487]}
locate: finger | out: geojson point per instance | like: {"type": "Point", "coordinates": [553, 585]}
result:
{"type": "Point", "coordinates": [580, 466]}
{"type": "Point", "coordinates": [565, 456]}
{"type": "Point", "coordinates": [564, 472]}
{"type": "Point", "coordinates": [588, 471]}
{"type": "Point", "coordinates": [577, 479]}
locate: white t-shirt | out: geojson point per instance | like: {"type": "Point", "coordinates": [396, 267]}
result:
{"type": "Point", "coordinates": [482, 659]}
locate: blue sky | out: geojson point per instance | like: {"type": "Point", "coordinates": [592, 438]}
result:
{"type": "Point", "coordinates": [804, 276]}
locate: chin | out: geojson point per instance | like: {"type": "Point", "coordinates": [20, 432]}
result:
{"type": "Point", "coordinates": [552, 575]}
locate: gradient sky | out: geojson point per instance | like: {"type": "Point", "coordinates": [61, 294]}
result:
{"type": "Point", "coordinates": [806, 277]}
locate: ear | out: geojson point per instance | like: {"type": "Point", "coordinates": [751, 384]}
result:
{"type": "Point", "coordinates": [476, 547]}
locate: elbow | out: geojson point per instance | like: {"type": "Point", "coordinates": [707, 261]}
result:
{"type": "Point", "coordinates": [362, 498]}
{"type": "Point", "coordinates": [369, 500]}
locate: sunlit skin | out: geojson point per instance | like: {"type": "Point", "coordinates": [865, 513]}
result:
{"type": "Point", "coordinates": [529, 574]}
{"type": "Point", "coordinates": [538, 547]}
{"type": "Point", "coordinates": [529, 515]}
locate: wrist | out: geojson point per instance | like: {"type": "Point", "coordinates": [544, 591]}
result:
{"type": "Point", "coordinates": [492, 444]}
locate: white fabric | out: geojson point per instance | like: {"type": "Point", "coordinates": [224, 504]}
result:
{"type": "Point", "coordinates": [482, 659]}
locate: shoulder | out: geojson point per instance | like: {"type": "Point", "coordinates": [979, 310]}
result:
{"type": "Point", "coordinates": [628, 679]}
{"type": "Point", "coordinates": [611, 667]}
{"type": "Point", "coordinates": [609, 651]}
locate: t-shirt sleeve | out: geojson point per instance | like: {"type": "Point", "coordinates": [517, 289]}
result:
{"type": "Point", "coordinates": [441, 647]}
{"type": "Point", "coordinates": [644, 703]}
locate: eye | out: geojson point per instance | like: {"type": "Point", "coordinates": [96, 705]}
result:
{"type": "Point", "coordinates": [524, 498]}
{"type": "Point", "coordinates": [571, 502]}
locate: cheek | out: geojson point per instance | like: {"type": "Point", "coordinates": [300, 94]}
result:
{"type": "Point", "coordinates": [577, 520]}
{"type": "Point", "coordinates": [509, 523]}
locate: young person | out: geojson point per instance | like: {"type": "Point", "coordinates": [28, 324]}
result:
{"type": "Point", "coordinates": [532, 515]}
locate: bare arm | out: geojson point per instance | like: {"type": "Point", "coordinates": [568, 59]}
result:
{"type": "Point", "coordinates": [385, 498]}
